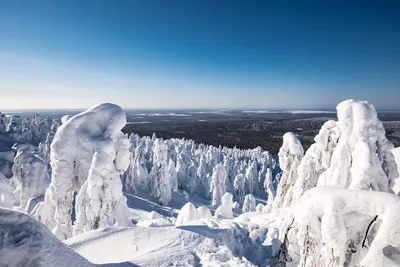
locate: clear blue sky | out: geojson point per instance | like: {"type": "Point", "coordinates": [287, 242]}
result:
{"type": "Point", "coordinates": [198, 54]}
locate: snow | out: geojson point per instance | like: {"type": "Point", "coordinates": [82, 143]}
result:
{"type": "Point", "coordinates": [187, 214]}
{"type": "Point", "coordinates": [26, 242]}
{"type": "Point", "coordinates": [334, 205]}
{"type": "Point", "coordinates": [225, 210]}
{"type": "Point", "coordinates": [75, 143]}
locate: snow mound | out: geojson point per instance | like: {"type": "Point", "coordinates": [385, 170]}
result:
{"type": "Point", "coordinates": [187, 214]}
{"type": "Point", "coordinates": [205, 212]}
{"type": "Point", "coordinates": [26, 242]}
{"type": "Point", "coordinates": [154, 247]}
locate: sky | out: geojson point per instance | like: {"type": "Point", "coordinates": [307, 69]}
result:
{"type": "Point", "coordinates": [198, 54]}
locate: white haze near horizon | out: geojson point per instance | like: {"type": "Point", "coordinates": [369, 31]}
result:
{"type": "Point", "coordinates": [32, 83]}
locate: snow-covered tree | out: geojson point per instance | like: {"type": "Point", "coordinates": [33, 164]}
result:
{"type": "Point", "coordinates": [224, 211]}
{"type": "Point", "coordinates": [71, 157]}
{"type": "Point", "coordinates": [30, 175]}
{"type": "Point", "coordinates": [270, 189]}
{"type": "Point", "coordinates": [160, 181]}
{"type": "Point", "coordinates": [362, 158]}
{"type": "Point", "coordinates": [238, 187]}
{"type": "Point", "coordinates": [173, 175]}
{"type": "Point", "coordinates": [251, 178]}
{"type": "Point", "coordinates": [249, 204]}
{"type": "Point", "coordinates": [100, 202]}
{"type": "Point", "coordinates": [290, 155]}
{"type": "Point", "coordinates": [317, 159]}
{"type": "Point", "coordinates": [203, 177]}
{"type": "Point", "coordinates": [7, 198]}
{"type": "Point", "coordinates": [218, 187]}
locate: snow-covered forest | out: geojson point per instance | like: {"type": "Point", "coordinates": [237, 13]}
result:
{"type": "Point", "coordinates": [93, 195]}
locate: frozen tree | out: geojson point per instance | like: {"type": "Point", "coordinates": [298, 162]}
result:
{"type": "Point", "coordinates": [270, 189]}
{"type": "Point", "coordinates": [3, 122]}
{"type": "Point", "coordinates": [205, 212]}
{"type": "Point", "coordinates": [191, 178]}
{"type": "Point", "coordinates": [173, 175]}
{"type": "Point", "coordinates": [238, 187]}
{"type": "Point", "coordinates": [203, 177]}
{"type": "Point", "coordinates": [71, 157]}
{"type": "Point", "coordinates": [362, 158]}
{"type": "Point", "coordinates": [218, 187]}
{"type": "Point", "coordinates": [290, 155]}
{"type": "Point", "coordinates": [160, 181]}
{"type": "Point", "coordinates": [181, 169]}
{"type": "Point", "coordinates": [251, 178]}
{"type": "Point", "coordinates": [7, 198]}
{"type": "Point", "coordinates": [224, 211]}
{"type": "Point", "coordinates": [139, 172]}
{"type": "Point", "coordinates": [187, 214]}
{"type": "Point", "coordinates": [317, 159]}
{"type": "Point", "coordinates": [249, 204]}
{"type": "Point", "coordinates": [30, 175]}
{"type": "Point", "coordinates": [100, 202]}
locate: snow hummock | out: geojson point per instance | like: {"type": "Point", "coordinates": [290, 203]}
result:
{"type": "Point", "coordinates": [26, 242]}
{"type": "Point", "coordinates": [188, 213]}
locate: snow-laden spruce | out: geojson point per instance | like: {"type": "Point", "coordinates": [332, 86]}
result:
{"type": "Point", "coordinates": [362, 158]}
{"type": "Point", "coordinates": [71, 156]}
{"type": "Point", "coordinates": [224, 211]}
{"type": "Point", "coordinates": [100, 202]}
{"type": "Point", "coordinates": [249, 204]}
{"type": "Point", "coordinates": [7, 198]}
{"type": "Point", "coordinates": [202, 170]}
{"type": "Point", "coordinates": [317, 159]}
{"type": "Point", "coordinates": [290, 155]}
{"type": "Point", "coordinates": [340, 226]}
{"type": "Point", "coordinates": [30, 176]}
